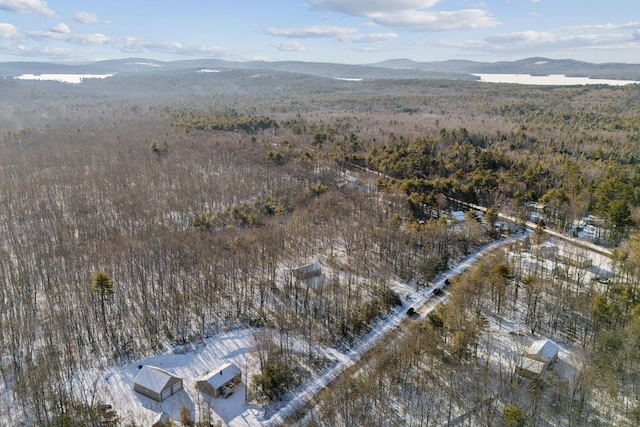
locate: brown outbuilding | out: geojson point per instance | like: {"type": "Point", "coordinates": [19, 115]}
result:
{"type": "Point", "coordinates": [220, 382]}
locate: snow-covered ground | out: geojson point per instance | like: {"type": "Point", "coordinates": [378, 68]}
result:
{"type": "Point", "coordinates": [421, 301]}
{"type": "Point", "coordinates": [115, 386]}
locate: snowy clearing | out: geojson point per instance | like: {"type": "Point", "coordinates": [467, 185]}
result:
{"type": "Point", "coordinates": [115, 386]}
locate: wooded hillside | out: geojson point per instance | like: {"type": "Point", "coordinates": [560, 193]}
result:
{"type": "Point", "coordinates": [133, 220]}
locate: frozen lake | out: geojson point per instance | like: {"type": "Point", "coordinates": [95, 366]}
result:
{"type": "Point", "coordinates": [553, 79]}
{"type": "Point", "coordinates": [64, 78]}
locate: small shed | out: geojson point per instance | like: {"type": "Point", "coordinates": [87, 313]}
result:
{"type": "Point", "coordinates": [156, 383]}
{"type": "Point", "coordinates": [530, 368]}
{"type": "Point", "coordinates": [544, 351]}
{"type": "Point", "coordinates": [307, 271]}
{"type": "Point", "coordinates": [220, 382]}
{"type": "Point", "coordinates": [540, 356]}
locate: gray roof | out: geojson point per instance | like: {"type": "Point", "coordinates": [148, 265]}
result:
{"type": "Point", "coordinates": [534, 366]}
{"type": "Point", "coordinates": [221, 376]}
{"type": "Point", "coordinates": [153, 378]}
{"type": "Point", "coordinates": [543, 350]}
{"type": "Point", "coordinates": [312, 269]}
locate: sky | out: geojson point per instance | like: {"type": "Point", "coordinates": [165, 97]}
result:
{"type": "Point", "coordinates": [341, 31]}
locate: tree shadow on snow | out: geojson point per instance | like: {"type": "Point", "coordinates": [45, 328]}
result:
{"type": "Point", "coordinates": [171, 406]}
{"type": "Point", "coordinates": [233, 406]}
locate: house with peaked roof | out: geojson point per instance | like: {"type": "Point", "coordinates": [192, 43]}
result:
{"type": "Point", "coordinates": [156, 383]}
{"type": "Point", "coordinates": [220, 382]}
{"type": "Point", "coordinates": [540, 356]}
{"type": "Point", "coordinates": [306, 271]}
{"type": "Point", "coordinates": [543, 350]}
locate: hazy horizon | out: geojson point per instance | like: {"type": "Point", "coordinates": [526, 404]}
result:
{"type": "Point", "coordinates": [337, 31]}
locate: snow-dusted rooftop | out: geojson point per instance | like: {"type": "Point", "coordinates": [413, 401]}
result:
{"type": "Point", "coordinates": [543, 350]}
{"type": "Point", "coordinates": [221, 376]}
{"type": "Point", "coordinates": [153, 378]}
{"type": "Point", "coordinates": [534, 366]}
{"type": "Point", "coordinates": [308, 270]}
{"type": "Point", "coordinates": [458, 216]}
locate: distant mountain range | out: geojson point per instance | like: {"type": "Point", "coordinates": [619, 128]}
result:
{"type": "Point", "coordinates": [391, 69]}
{"type": "Point", "coordinates": [536, 66]}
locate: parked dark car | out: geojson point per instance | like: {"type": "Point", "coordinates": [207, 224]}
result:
{"type": "Point", "coordinates": [437, 291]}
{"type": "Point", "coordinates": [410, 311]}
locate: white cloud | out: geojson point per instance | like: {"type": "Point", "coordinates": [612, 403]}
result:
{"type": "Point", "coordinates": [416, 20]}
{"type": "Point", "coordinates": [344, 34]}
{"type": "Point", "coordinates": [410, 15]}
{"type": "Point", "coordinates": [556, 40]}
{"type": "Point", "coordinates": [27, 6]}
{"type": "Point", "coordinates": [373, 37]}
{"type": "Point", "coordinates": [87, 18]}
{"type": "Point", "coordinates": [54, 52]}
{"type": "Point", "coordinates": [316, 31]}
{"type": "Point", "coordinates": [290, 46]}
{"type": "Point", "coordinates": [523, 37]}
{"type": "Point", "coordinates": [366, 7]}
{"type": "Point", "coordinates": [45, 51]}
{"type": "Point", "coordinates": [8, 31]}
{"type": "Point", "coordinates": [86, 39]}
{"type": "Point", "coordinates": [133, 44]}
{"type": "Point", "coordinates": [136, 45]}
{"type": "Point", "coordinates": [61, 28]}
{"type": "Point", "coordinates": [605, 27]}
{"type": "Point", "coordinates": [537, 42]}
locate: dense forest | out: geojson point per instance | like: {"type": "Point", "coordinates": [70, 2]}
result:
{"type": "Point", "coordinates": [136, 218]}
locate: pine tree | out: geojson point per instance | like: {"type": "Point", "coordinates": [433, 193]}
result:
{"type": "Point", "coordinates": [103, 285]}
